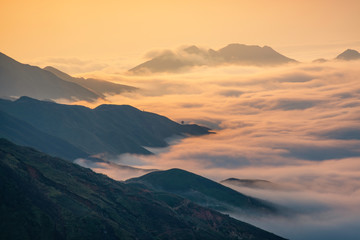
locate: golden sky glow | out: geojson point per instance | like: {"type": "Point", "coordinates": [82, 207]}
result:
{"type": "Point", "coordinates": [110, 28]}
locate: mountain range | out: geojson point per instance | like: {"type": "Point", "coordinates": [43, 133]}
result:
{"type": "Point", "coordinates": [204, 192]}
{"type": "Point", "coordinates": [236, 54]}
{"type": "Point", "coordinates": [17, 79]}
{"type": "Point", "coordinates": [347, 55]}
{"type": "Point", "coordinates": [72, 131]}
{"type": "Point", "coordinates": [100, 87]}
{"type": "Point", "coordinates": [43, 197]}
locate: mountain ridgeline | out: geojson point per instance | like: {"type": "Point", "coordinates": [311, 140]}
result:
{"type": "Point", "coordinates": [100, 87]}
{"type": "Point", "coordinates": [43, 197]}
{"type": "Point", "coordinates": [17, 79]}
{"type": "Point", "coordinates": [204, 192]}
{"type": "Point", "coordinates": [72, 131]}
{"type": "Point", "coordinates": [235, 54]}
{"type": "Point", "coordinates": [347, 55]}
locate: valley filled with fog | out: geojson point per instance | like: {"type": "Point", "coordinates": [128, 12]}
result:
{"type": "Point", "coordinates": [296, 126]}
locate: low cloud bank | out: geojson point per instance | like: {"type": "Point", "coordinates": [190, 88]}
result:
{"type": "Point", "coordinates": [292, 125]}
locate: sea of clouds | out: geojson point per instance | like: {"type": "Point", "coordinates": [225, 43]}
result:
{"type": "Point", "coordinates": [296, 125]}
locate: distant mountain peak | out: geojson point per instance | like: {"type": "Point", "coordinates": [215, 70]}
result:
{"type": "Point", "coordinates": [192, 50]}
{"type": "Point", "coordinates": [234, 53]}
{"type": "Point", "coordinates": [238, 45]}
{"type": "Point", "coordinates": [111, 107]}
{"type": "Point", "coordinates": [348, 55]}
{"type": "Point", "coordinates": [26, 99]}
{"type": "Point", "coordinates": [203, 191]}
{"type": "Point", "coordinates": [350, 51]}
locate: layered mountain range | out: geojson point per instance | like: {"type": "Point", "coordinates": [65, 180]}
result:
{"type": "Point", "coordinates": [233, 54]}
{"type": "Point", "coordinates": [17, 79]}
{"type": "Point", "coordinates": [72, 131]}
{"type": "Point", "coordinates": [100, 87]}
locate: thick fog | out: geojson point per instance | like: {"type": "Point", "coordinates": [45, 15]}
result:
{"type": "Point", "coordinates": [297, 126]}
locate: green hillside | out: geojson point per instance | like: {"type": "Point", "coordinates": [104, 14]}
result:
{"type": "Point", "coordinates": [42, 197]}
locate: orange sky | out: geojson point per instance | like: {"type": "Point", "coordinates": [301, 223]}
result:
{"type": "Point", "coordinates": [112, 28]}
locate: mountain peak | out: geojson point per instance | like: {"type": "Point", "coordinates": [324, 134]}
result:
{"type": "Point", "coordinates": [250, 49]}
{"type": "Point", "coordinates": [350, 51]}
{"type": "Point", "coordinates": [234, 53]}
{"type": "Point", "coordinates": [202, 190]}
{"type": "Point", "coordinates": [112, 107]}
{"type": "Point", "coordinates": [192, 50]}
{"type": "Point", "coordinates": [348, 55]}
{"type": "Point", "coordinates": [26, 99]}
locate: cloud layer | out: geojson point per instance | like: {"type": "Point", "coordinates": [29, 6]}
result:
{"type": "Point", "coordinates": [296, 125]}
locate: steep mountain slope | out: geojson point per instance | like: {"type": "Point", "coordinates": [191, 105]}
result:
{"type": "Point", "coordinates": [17, 79]}
{"type": "Point", "coordinates": [23, 133]}
{"type": "Point", "coordinates": [349, 55]}
{"type": "Point", "coordinates": [203, 191]}
{"type": "Point", "coordinates": [47, 198]}
{"type": "Point", "coordinates": [100, 87]}
{"type": "Point", "coordinates": [166, 62]}
{"type": "Point", "coordinates": [238, 54]}
{"type": "Point", "coordinates": [111, 129]}
{"type": "Point", "coordinates": [251, 55]}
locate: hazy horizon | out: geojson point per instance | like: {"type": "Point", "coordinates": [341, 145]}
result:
{"type": "Point", "coordinates": [39, 32]}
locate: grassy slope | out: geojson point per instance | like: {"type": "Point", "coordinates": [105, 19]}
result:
{"type": "Point", "coordinates": [42, 197]}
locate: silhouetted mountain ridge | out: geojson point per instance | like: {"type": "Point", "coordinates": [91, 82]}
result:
{"type": "Point", "coordinates": [100, 87]}
{"type": "Point", "coordinates": [238, 54]}
{"type": "Point", "coordinates": [109, 129]}
{"type": "Point", "coordinates": [19, 79]}
{"type": "Point", "coordinates": [23, 133]}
